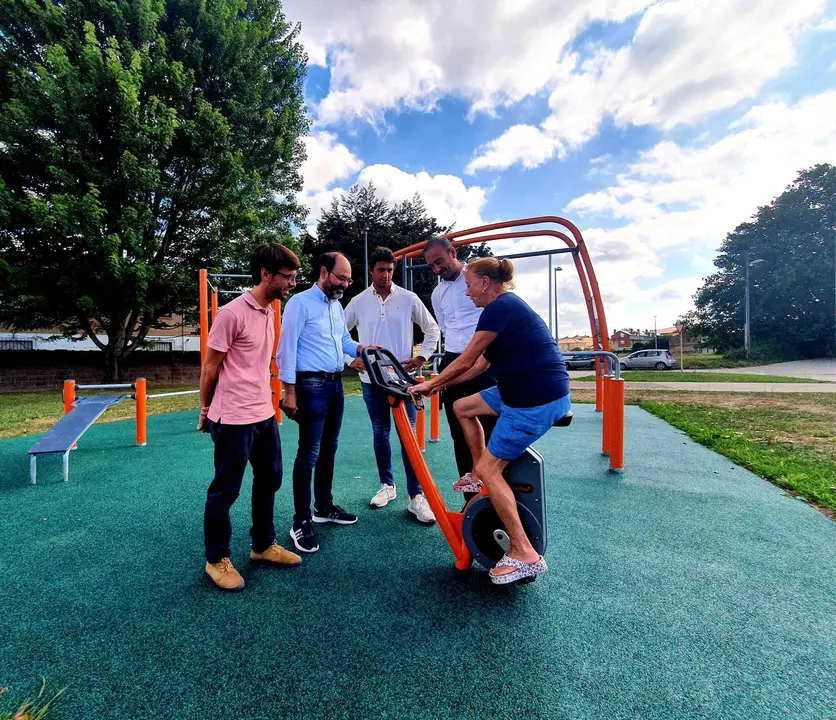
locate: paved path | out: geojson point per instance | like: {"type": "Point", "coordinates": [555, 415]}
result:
{"type": "Point", "coordinates": [821, 369]}
{"type": "Point", "coordinates": [720, 387]}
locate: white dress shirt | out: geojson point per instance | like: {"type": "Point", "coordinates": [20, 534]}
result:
{"type": "Point", "coordinates": [456, 314]}
{"type": "Point", "coordinates": [389, 322]}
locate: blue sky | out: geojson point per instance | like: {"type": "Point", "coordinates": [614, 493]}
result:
{"type": "Point", "coordinates": [656, 127]}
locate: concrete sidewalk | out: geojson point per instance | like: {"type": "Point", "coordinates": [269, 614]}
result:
{"type": "Point", "coordinates": [820, 369]}
{"type": "Point", "coordinates": [720, 386]}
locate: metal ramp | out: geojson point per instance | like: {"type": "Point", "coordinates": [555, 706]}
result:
{"type": "Point", "coordinates": [65, 433]}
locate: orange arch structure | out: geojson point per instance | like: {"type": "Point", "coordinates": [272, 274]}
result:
{"type": "Point", "coordinates": [568, 233]}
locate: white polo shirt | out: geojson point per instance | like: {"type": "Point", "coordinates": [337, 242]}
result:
{"type": "Point", "coordinates": [389, 323]}
{"type": "Point", "coordinates": [456, 314]}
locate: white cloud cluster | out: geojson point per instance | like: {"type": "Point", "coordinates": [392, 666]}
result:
{"type": "Point", "coordinates": [686, 61]}
{"type": "Point", "coordinates": [329, 162]}
{"type": "Point", "coordinates": [386, 55]}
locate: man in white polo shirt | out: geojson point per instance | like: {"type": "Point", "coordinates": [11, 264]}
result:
{"type": "Point", "coordinates": [457, 317]}
{"type": "Point", "coordinates": [385, 315]}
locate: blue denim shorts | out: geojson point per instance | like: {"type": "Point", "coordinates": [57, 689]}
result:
{"type": "Point", "coordinates": [517, 428]}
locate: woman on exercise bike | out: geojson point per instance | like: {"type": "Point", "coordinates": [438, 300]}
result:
{"type": "Point", "coordinates": [531, 394]}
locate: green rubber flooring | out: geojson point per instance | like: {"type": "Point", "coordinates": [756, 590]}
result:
{"type": "Point", "coordinates": [684, 588]}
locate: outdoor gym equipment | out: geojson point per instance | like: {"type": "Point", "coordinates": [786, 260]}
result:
{"type": "Point", "coordinates": [575, 246]}
{"type": "Point", "coordinates": [81, 412]}
{"type": "Point", "coordinates": [476, 532]}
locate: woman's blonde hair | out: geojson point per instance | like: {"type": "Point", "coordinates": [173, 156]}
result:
{"type": "Point", "coordinates": [501, 271]}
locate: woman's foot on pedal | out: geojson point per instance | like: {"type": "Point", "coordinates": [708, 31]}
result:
{"type": "Point", "coordinates": [467, 484]}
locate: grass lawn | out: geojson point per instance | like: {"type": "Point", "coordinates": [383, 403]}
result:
{"type": "Point", "coordinates": [706, 362]}
{"type": "Point", "coordinates": [676, 376]}
{"type": "Point", "coordinates": [36, 412]}
{"type": "Point", "coordinates": [788, 439]}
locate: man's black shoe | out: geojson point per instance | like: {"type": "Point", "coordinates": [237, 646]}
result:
{"type": "Point", "coordinates": [303, 536]}
{"type": "Point", "coordinates": [335, 515]}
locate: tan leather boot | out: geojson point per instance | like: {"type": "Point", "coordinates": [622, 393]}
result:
{"type": "Point", "coordinates": [225, 576]}
{"type": "Point", "coordinates": [277, 555]}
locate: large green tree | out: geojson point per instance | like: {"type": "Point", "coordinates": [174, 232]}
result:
{"type": "Point", "coordinates": [139, 141]}
{"type": "Point", "coordinates": [791, 289]}
{"type": "Point", "coordinates": [342, 227]}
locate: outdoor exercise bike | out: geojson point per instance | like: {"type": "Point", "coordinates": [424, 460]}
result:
{"type": "Point", "coordinates": [476, 532]}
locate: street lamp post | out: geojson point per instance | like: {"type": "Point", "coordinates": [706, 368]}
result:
{"type": "Point", "coordinates": [366, 255]}
{"type": "Point", "coordinates": [747, 335]}
{"type": "Point", "coordinates": [655, 335]}
{"type": "Point", "coordinates": [556, 332]}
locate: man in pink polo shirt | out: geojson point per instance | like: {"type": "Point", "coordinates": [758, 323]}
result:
{"type": "Point", "coordinates": [237, 410]}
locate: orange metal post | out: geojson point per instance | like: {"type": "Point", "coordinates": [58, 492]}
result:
{"type": "Point", "coordinates": [140, 392]}
{"type": "Point", "coordinates": [435, 415]}
{"type": "Point", "coordinates": [69, 395]}
{"type": "Point", "coordinates": [421, 425]}
{"type": "Point", "coordinates": [606, 432]}
{"type": "Point", "coordinates": [599, 386]}
{"type": "Point", "coordinates": [275, 383]}
{"type": "Point", "coordinates": [202, 287]}
{"type": "Point", "coordinates": [615, 391]}
{"type": "Point", "coordinates": [449, 522]}
{"type": "Point", "coordinates": [214, 303]}
{"type": "Point", "coordinates": [69, 399]}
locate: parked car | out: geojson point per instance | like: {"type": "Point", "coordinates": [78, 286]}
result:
{"type": "Point", "coordinates": [579, 360]}
{"type": "Point", "coordinates": [647, 359]}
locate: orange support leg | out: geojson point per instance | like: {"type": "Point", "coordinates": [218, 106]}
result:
{"type": "Point", "coordinates": [435, 416]}
{"type": "Point", "coordinates": [599, 386]}
{"type": "Point", "coordinates": [616, 394]}
{"type": "Point", "coordinates": [421, 425]}
{"type": "Point", "coordinates": [202, 288]}
{"type": "Point", "coordinates": [449, 522]}
{"type": "Point", "coordinates": [275, 383]}
{"type": "Point", "coordinates": [606, 433]}
{"type": "Point", "coordinates": [69, 399]}
{"type": "Point", "coordinates": [214, 303]}
{"type": "Point", "coordinates": [140, 392]}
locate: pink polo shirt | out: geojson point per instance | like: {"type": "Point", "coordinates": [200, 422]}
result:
{"type": "Point", "coordinates": [244, 331]}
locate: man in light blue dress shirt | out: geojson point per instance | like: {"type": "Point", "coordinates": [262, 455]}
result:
{"type": "Point", "coordinates": [314, 340]}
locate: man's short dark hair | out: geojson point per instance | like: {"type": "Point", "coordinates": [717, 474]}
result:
{"type": "Point", "coordinates": [272, 257]}
{"type": "Point", "coordinates": [328, 261]}
{"type": "Point", "coordinates": [438, 241]}
{"type": "Point", "coordinates": [381, 254]}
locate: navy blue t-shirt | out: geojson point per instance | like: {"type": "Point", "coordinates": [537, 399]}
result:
{"type": "Point", "coordinates": [524, 358]}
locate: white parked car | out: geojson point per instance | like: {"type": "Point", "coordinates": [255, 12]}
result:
{"type": "Point", "coordinates": [648, 359]}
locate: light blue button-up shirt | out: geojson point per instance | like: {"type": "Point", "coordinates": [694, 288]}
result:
{"type": "Point", "coordinates": [314, 336]}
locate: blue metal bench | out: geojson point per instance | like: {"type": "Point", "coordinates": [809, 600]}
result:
{"type": "Point", "coordinates": [66, 432]}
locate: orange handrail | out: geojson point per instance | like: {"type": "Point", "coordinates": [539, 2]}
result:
{"type": "Point", "coordinates": [202, 288]}
{"type": "Point", "coordinates": [275, 383]}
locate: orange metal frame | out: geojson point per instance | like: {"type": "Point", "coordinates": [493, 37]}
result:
{"type": "Point", "coordinates": [449, 522]}
{"type": "Point", "coordinates": [613, 440]}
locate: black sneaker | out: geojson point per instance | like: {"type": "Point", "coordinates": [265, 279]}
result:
{"type": "Point", "coordinates": [335, 515]}
{"type": "Point", "coordinates": [303, 536]}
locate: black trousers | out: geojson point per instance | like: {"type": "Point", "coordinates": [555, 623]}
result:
{"type": "Point", "coordinates": [235, 445]}
{"type": "Point", "coordinates": [464, 460]}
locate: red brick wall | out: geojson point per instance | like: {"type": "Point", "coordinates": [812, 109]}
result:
{"type": "Point", "coordinates": [25, 379]}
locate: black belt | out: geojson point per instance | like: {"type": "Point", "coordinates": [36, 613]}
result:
{"type": "Point", "coordinates": [316, 374]}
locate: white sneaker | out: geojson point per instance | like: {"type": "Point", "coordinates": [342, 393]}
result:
{"type": "Point", "coordinates": [383, 496]}
{"type": "Point", "coordinates": [420, 508]}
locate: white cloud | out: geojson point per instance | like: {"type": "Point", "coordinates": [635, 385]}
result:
{"type": "Point", "coordinates": [687, 60]}
{"type": "Point", "coordinates": [327, 161]}
{"type": "Point", "coordinates": [446, 197]}
{"type": "Point", "coordinates": [387, 55]}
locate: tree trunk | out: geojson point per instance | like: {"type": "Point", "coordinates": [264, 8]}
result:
{"type": "Point", "coordinates": [112, 367]}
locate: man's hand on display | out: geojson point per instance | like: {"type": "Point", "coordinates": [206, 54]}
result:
{"type": "Point", "coordinates": [358, 365]}
{"type": "Point", "coordinates": [360, 348]}
{"type": "Point", "coordinates": [413, 364]}
{"type": "Point", "coordinates": [424, 388]}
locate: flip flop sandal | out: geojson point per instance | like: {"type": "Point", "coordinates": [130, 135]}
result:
{"type": "Point", "coordinates": [471, 486]}
{"type": "Point", "coordinates": [523, 574]}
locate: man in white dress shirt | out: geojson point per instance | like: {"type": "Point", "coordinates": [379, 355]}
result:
{"type": "Point", "coordinates": [385, 315]}
{"type": "Point", "coordinates": [457, 317]}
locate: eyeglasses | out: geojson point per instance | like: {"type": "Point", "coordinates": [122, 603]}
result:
{"type": "Point", "coordinates": [342, 278]}
{"type": "Point", "coordinates": [292, 278]}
